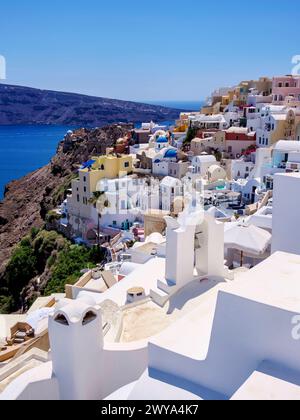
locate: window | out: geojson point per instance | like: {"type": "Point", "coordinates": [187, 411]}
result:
{"type": "Point", "coordinates": [287, 84]}
{"type": "Point", "coordinates": [126, 164]}
{"type": "Point", "coordinates": [78, 198]}
{"type": "Point", "coordinates": [84, 179]}
{"type": "Point", "coordinates": [102, 168]}
{"type": "Point", "coordinates": [84, 189]}
{"type": "Point", "coordinates": [61, 319]}
{"type": "Point", "coordinates": [89, 317]}
{"type": "Point", "coordinates": [260, 140]}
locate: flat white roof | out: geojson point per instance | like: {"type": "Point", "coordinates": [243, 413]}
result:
{"type": "Point", "coordinates": [145, 276]}
{"type": "Point", "coordinates": [279, 117]}
{"type": "Point", "coordinates": [287, 146]}
{"type": "Point", "coordinates": [191, 344]}
{"type": "Point", "coordinates": [274, 282]}
{"type": "Point", "coordinates": [269, 383]}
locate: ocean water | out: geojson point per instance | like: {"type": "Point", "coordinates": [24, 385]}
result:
{"type": "Point", "coordinates": [185, 105]}
{"type": "Point", "coordinates": [24, 149]}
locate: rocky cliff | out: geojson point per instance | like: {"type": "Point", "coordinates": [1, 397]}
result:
{"type": "Point", "coordinates": [23, 105]}
{"type": "Point", "coordinates": [28, 200]}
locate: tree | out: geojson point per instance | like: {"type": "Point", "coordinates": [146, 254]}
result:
{"type": "Point", "coordinates": [99, 201]}
{"type": "Point", "coordinates": [190, 135]}
{"type": "Point", "coordinates": [20, 270]}
{"type": "Point", "coordinates": [217, 154]}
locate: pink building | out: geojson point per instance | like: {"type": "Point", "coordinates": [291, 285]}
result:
{"type": "Point", "coordinates": [286, 86]}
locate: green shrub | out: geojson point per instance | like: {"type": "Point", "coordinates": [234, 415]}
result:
{"type": "Point", "coordinates": [190, 135]}
{"type": "Point", "coordinates": [21, 269]}
{"type": "Point", "coordinates": [6, 304]}
{"type": "Point", "coordinates": [52, 217]}
{"type": "Point", "coordinates": [67, 267]}
{"type": "Point", "coordinates": [44, 244]}
{"type": "Point", "coordinates": [38, 251]}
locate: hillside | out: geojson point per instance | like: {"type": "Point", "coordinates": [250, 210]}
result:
{"type": "Point", "coordinates": [22, 105]}
{"type": "Point", "coordinates": [28, 200]}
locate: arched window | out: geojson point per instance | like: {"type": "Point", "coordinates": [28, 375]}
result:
{"type": "Point", "coordinates": [61, 319]}
{"type": "Point", "coordinates": [89, 317]}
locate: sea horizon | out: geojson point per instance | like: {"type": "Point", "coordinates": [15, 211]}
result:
{"type": "Point", "coordinates": [186, 105]}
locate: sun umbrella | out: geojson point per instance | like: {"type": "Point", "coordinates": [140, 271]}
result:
{"type": "Point", "coordinates": [248, 239]}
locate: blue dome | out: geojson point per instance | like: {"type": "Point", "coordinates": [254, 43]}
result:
{"type": "Point", "coordinates": [162, 140]}
{"type": "Point", "coordinates": [172, 153]}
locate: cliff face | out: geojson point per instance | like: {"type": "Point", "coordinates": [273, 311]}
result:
{"type": "Point", "coordinates": [22, 105]}
{"type": "Point", "coordinates": [28, 200]}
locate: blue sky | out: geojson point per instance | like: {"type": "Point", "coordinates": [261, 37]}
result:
{"type": "Point", "coordinates": [142, 50]}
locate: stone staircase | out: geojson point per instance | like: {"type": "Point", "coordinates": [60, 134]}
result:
{"type": "Point", "coordinates": [163, 291]}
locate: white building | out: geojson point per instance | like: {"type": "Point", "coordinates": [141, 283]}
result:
{"type": "Point", "coordinates": [235, 340]}
{"type": "Point", "coordinates": [241, 168]}
{"type": "Point", "coordinates": [209, 122]}
{"type": "Point", "coordinates": [286, 156]}
{"type": "Point", "coordinates": [271, 118]}
{"type": "Point", "coordinates": [241, 343]}
{"type": "Point", "coordinates": [124, 201]}
{"type": "Point", "coordinates": [202, 164]}
{"type": "Point", "coordinates": [160, 165]}
{"type": "Point", "coordinates": [170, 188]}
{"type": "Point", "coordinates": [216, 173]}
{"type": "Point", "coordinates": [286, 213]}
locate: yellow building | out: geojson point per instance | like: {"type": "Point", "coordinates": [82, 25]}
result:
{"type": "Point", "coordinates": [292, 126]}
{"type": "Point", "coordinates": [215, 141]}
{"type": "Point", "coordinates": [183, 123]}
{"type": "Point", "coordinates": [105, 167]}
{"type": "Point", "coordinates": [279, 132]}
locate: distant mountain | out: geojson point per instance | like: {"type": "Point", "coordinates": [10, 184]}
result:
{"type": "Point", "coordinates": [22, 106]}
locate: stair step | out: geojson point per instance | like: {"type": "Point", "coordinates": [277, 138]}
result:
{"type": "Point", "coordinates": [166, 286]}
{"type": "Point", "coordinates": [159, 296]}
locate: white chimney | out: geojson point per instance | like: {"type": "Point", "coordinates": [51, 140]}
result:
{"type": "Point", "coordinates": [76, 340]}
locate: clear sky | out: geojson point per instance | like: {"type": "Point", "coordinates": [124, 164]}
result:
{"type": "Point", "coordinates": [146, 50]}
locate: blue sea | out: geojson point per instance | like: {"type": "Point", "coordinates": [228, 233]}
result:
{"type": "Point", "coordinates": [24, 149]}
{"type": "Point", "coordinates": [184, 105]}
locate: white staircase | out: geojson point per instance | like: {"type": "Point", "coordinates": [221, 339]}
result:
{"type": "Point", "coordinates": [162, 293]}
